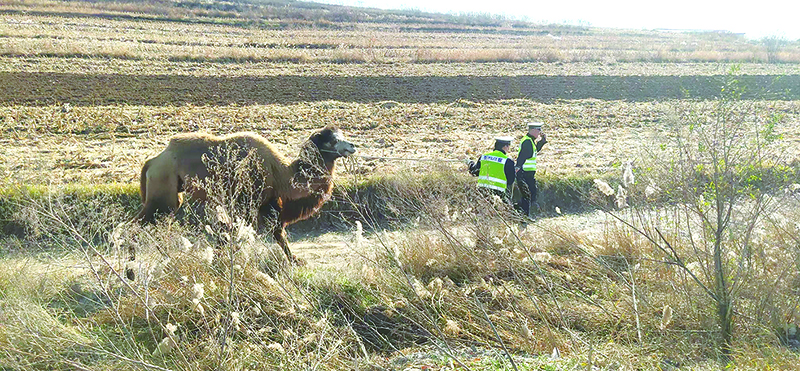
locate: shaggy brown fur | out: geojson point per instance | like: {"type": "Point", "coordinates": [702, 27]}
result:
{"type": "Point", "coordinates": [287, 191]}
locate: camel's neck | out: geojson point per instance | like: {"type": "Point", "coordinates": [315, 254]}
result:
{"type": "Point", "coordinates": [311, 174]}
{"type": "Point", "coordinates": [313, 163]}
{"type": "Point", "coordinates": [307, 171]}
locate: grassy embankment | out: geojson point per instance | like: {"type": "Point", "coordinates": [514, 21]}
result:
{"type": "Point", "coordinates": [570, 195]}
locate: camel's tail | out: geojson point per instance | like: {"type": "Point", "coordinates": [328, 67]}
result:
{"type": "Point", "coordinates": [140, 217]}
{"type": "Point", "coordinates": [143, 187]}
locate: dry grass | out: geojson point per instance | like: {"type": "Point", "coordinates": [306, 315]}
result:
{"type": "Point", "coordinates": [71, 143]}
{"type": "Point", "coordinates": [126, 67]}
{"type": "Point", "coordinates": [92, 37]}
{"type": "Point", "coordinates": [455, 265]}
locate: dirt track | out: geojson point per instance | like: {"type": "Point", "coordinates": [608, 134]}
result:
{"type": "Point", "coordinates": [338, 250]}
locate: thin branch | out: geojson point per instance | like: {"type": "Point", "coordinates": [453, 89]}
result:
{"type": "Point", "coordinates": [497, 335]}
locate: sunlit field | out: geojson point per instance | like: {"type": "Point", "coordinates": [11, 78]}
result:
{"type": "Point", "coordinates": [665, 234]}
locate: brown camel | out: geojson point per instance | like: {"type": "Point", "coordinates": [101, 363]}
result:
{"type": "Point", "coordinates": [284, 192]}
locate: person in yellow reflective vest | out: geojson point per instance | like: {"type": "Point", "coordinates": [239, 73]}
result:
{"type": "Point", "coordinates": [495, 171]}
{"type": "Point", "coordinates": [526, 165]}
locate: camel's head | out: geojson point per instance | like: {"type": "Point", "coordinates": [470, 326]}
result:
{"type": "Point", "coordinates": [331, 143]}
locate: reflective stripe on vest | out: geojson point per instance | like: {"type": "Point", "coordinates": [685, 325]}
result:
{"type": "Point", "coordinates": [493, 171]}
{"type": "Point", "coordinates": [530, 164]}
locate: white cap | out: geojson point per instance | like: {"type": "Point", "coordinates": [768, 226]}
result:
{"type": "Point", "coordinates": [534, 125]}
{"type": "Point", "coordinates": [503, 139]}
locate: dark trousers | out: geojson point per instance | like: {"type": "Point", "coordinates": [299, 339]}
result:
{"type": "Point", "coordinates": [526, 181]}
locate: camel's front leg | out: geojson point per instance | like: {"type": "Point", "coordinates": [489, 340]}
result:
{"type": "Point", "coordinates": [269, 214]}
{"type": "Point", "coordinates": [280, 236]}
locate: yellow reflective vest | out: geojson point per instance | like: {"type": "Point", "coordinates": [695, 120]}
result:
{"type": "Point", "coordinates": [530, 164]}
{"type": "Point", "coordinates": [492, 174]}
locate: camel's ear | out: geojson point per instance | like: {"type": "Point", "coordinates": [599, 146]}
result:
{"type": "Point", "coordinates": [315, 138]}
{"type": "Point", "coordinates": [322, 136]}
{"type": "Point", "coordinates": [318, 134]}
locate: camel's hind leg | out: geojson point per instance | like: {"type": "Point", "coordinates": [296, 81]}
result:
{"type": "Point", "coordinates": [132, 256]}
{"type": "Point", "coordinates": [161, 196]}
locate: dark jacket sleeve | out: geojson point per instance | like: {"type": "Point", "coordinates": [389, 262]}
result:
{"type": "Point", "coordinates": [474, 167]}
{"type": "Point", "coordinates": [525, 152]}
{"type": "Point", "coordinates": [510, 173]}
{"type": "Point", "coordinates": [540, 144]}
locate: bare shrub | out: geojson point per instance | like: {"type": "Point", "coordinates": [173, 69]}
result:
{"type": "Point", "coordinates": [719, 179]}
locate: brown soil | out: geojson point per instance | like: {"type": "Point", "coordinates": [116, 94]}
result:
{"type": "Point", "coordinates": [82, 89]}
